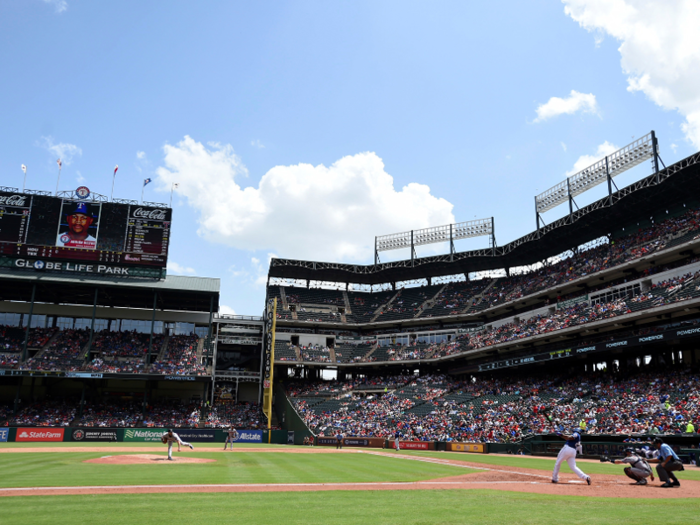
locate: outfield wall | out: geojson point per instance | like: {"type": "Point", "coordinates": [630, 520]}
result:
{"type": "Point", "coordinates": [135, 435]}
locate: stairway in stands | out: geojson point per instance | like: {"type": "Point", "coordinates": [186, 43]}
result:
{"type": "Point", "coordinates": [428, 303]}
{"type": "Point", "coordinates": [384, 307]}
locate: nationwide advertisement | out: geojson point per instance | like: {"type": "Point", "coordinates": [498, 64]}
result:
{"type": "Point", "coordinates": [40, 434]}
{"type": "Point", "coordinates": [4, 434]}
{"type": "Point", "coordinates": [143, 434]}
{"type": "Point", "coordinates": [248, 436]}
{"type": "Point", "coordinates": [91, 434]}
{"type": "Point", "coordinates": [196, 435]}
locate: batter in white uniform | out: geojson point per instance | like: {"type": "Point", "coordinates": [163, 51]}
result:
{"type": "Point", "coordinates": [171, 437]}
{"type": "Point", "coordinates": [568, 454]}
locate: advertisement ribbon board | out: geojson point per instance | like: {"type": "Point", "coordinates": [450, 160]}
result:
{"type": "Point", "coordinates": [466, 447]}
{"type": "Point", "coordinates": [91, 434]}
{"type": "Point", "coordinates": [143, 434]}
{"type": "Point", "coordinates": [4, 434]}
{"type": "Point", "coordinates": [417, 445]}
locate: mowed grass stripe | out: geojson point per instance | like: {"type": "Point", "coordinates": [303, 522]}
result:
{"type": "Point", "coordinates": [545, 464]}
{"type": "Point", "coordinates": [344, 508]}
{"type": "Point", "coordinates": [69, 469]}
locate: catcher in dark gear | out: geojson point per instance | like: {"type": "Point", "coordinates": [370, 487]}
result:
{"type": "Point", "coordinates": [638, 470]}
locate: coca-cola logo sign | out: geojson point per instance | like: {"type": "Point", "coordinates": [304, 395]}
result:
{"type": "Point", "coordinates": [13, 200]}
{"type": "Point", "coordinates": [153, 214]}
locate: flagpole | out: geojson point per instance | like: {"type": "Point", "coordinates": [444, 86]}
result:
{"type": "Point", "coordinates": [111, 197]}
{"type": "Point", "coordinates": [59, 176]}
{"type": "Point", "coordinates": [24, 184]}
{"type": "Point", "coordinates": [142, 188]}
{"type": "Point", "coordinates": [172, 188]}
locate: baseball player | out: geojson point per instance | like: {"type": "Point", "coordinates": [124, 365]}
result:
{"type": "Point", "coordinates": [231, 436]}
{"type": "Point", "coordinates": [639, 470]}
{"type": "Point", "coordinates": [568, 454]}
{"type": "Point", "coordinates": [171, 437]}
{"type": "Point", "coordinates": [397, 438]}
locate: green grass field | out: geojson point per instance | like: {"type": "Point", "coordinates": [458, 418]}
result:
{"type": "Point", "coordinates": [31, 469]}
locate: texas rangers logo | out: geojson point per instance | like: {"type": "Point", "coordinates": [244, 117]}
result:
{"type": "Point", "coordinates": [39, 265]}
{"type": "Point", "coordinates": [65, 238]}
{"type": "Point", "coordinates": [82, 192]}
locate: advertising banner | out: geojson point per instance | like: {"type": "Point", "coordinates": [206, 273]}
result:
{"type": "Point", "coordinates": [196, 435]}
{"type": "Point", "coordinates": [479, 448]}
{"type": "Point", "coordinates": [92, 434]}
{"type": "Point", "coordinates": [290, 437]}
{"type": "Point", "coordinates": [40, 434]}
{"type": "Point", "coordinates": [143, 434]}
{"type": "Point", "coordinates": [364, 442]}
{"type": "Point", "coordinates": [326, 441]}
{"type": "Point", "coordinates": [417, 445]}
{"type": "Point", "coordinates": [248, 436]}
{"type": "Point", "coordinates": [4, 434]}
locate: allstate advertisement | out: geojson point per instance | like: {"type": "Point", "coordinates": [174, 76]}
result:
{"type": "Point", "coordinates": [4, 433]}
{"type": "Point", "coordinates": [248, 436]}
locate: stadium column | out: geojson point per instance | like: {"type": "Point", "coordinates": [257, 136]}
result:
{"type": "Point", "coordinates": [29, 323]}
{"type": "Point", "coordinates": [153, 323]}
{"type": "Point", "coordinates": [92, 322]}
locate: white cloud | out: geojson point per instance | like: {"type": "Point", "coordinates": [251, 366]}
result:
{"type": "Point", "coordinates": [140, 155]}
{"type": "Point", "coordinates": [64, 151]}
{"type": "Point", "coordinates": [226, 310]}
{"type": "Point", "coordinates": [257, 144]}
{"type": "Point", "coordinates": [178, 269]}
{"type": "Point", "coordinates": [555, 106]}
{"type": "Point", "coordinates": [563, 146]}
{"type": "Point", "coordinates": [79, 177]}
{"type": "Point", "coordinates": [659, 49]}
{"type": "Point", "coordinates": [674, 147]}
{"type": "Point", "coordinates": [586, 160]}
{"type": "Point", "coordinates": [59, 5]}
{"type": "Point", "coordinates": [301, 211]}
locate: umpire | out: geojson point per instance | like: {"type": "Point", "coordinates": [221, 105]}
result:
{"type": "Point", "coordinates": [668, 462]}
{"type": "Point", "coordinates": [638, 470]}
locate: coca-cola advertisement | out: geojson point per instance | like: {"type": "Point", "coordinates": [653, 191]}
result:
{"type": "Point", "coordinates": [14, 217]}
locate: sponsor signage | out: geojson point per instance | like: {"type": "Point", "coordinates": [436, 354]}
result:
{"type": "Point", "coordinates": [179, 378]}
{"type": "Point", "coordinates": [70, 267]}
{"type": "Point", "coordinates": [91, 434]}
{"type": "Point", "coordinates": [269, 358]}
{"type": "Point", "coordinates": [364, 442]}
{"type": "Point", "coordinates": [196, 435]}
{"type": "Point", "coordinates": [466, 447]}
{"type": "Point", "coordinates": [598, 347]}
{"type": "Point", "coordinates": [572, 302]}
{"type": "Point", "coordinates": [416, 445]}
{"type": "Point", "coordinates": [4, 434]}
{"type": "Point", "coordinates": [143, 434]}
{"type": "Point", "coordinates": [326, 441]}
{"type": "Point", "coordinates": [248, 436]}
{"type": "Point", "coordinates": [40, 434]}
{"type": "Point", "coordinates": [88, 375]}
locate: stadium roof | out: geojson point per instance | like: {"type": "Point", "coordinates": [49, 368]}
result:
{"type": "Point", "coordinates": [671, 187]}
{"type": "Point", "coordinates": [175, 292]}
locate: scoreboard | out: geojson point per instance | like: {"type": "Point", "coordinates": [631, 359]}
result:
{"type": "Point", "coordinates": [52, 228]}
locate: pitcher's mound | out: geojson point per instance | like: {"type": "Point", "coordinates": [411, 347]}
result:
{"type": "Point", "coordinates": [145, 459]}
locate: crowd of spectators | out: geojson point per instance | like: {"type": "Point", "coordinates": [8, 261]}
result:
{"type": "Point", "coordinates": [66, 352]}
{"type": "Point", "coordinates": [125, 344]}
{"type": "Point", "coordinates": [180, 357]}
{"type": "Point", "coordinates": [46, 413]}
{"type": "Point", "coordinates": [506, 409]}
{"type": "Point", "coordinates": [226, 413]}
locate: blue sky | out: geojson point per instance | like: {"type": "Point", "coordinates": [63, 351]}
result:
{"type": "Point", "coordinates": [304, 129]}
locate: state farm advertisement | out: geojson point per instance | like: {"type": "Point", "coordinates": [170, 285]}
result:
{"type": "Point", "coordinates": [39, 434]}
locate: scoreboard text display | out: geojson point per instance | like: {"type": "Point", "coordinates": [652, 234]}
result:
{"type": "Point", "coordinates": [52, 228]}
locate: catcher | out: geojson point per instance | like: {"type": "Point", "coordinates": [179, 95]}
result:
{"type": "Point", "coordinates": [638, 470]}
{"type": "Point", "coordinates": [171, 437]}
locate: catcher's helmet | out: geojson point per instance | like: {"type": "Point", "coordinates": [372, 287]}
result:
{"type": "Point", "coordinates": [629, 450]}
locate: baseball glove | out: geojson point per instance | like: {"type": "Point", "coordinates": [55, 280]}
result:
{"type": "Point", "coordinates": [605, 459]}
{"type": "Point", "coordinates": [164, 440]}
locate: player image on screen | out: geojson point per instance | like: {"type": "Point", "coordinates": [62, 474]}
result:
{"type": "Point", "coordinates": [79, 225]}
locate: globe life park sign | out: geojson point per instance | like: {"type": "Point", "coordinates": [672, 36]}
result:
{"type": "Point", "coordinates": [70, 267]}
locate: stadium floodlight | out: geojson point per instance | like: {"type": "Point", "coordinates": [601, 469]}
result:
{"type": "Point", "coordinates": [436, 234]}
{"type": "Point", "coordinates": [604, 170]}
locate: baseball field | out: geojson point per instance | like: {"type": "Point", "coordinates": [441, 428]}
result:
{"type": "Point", "coordinates": [134, 483]}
